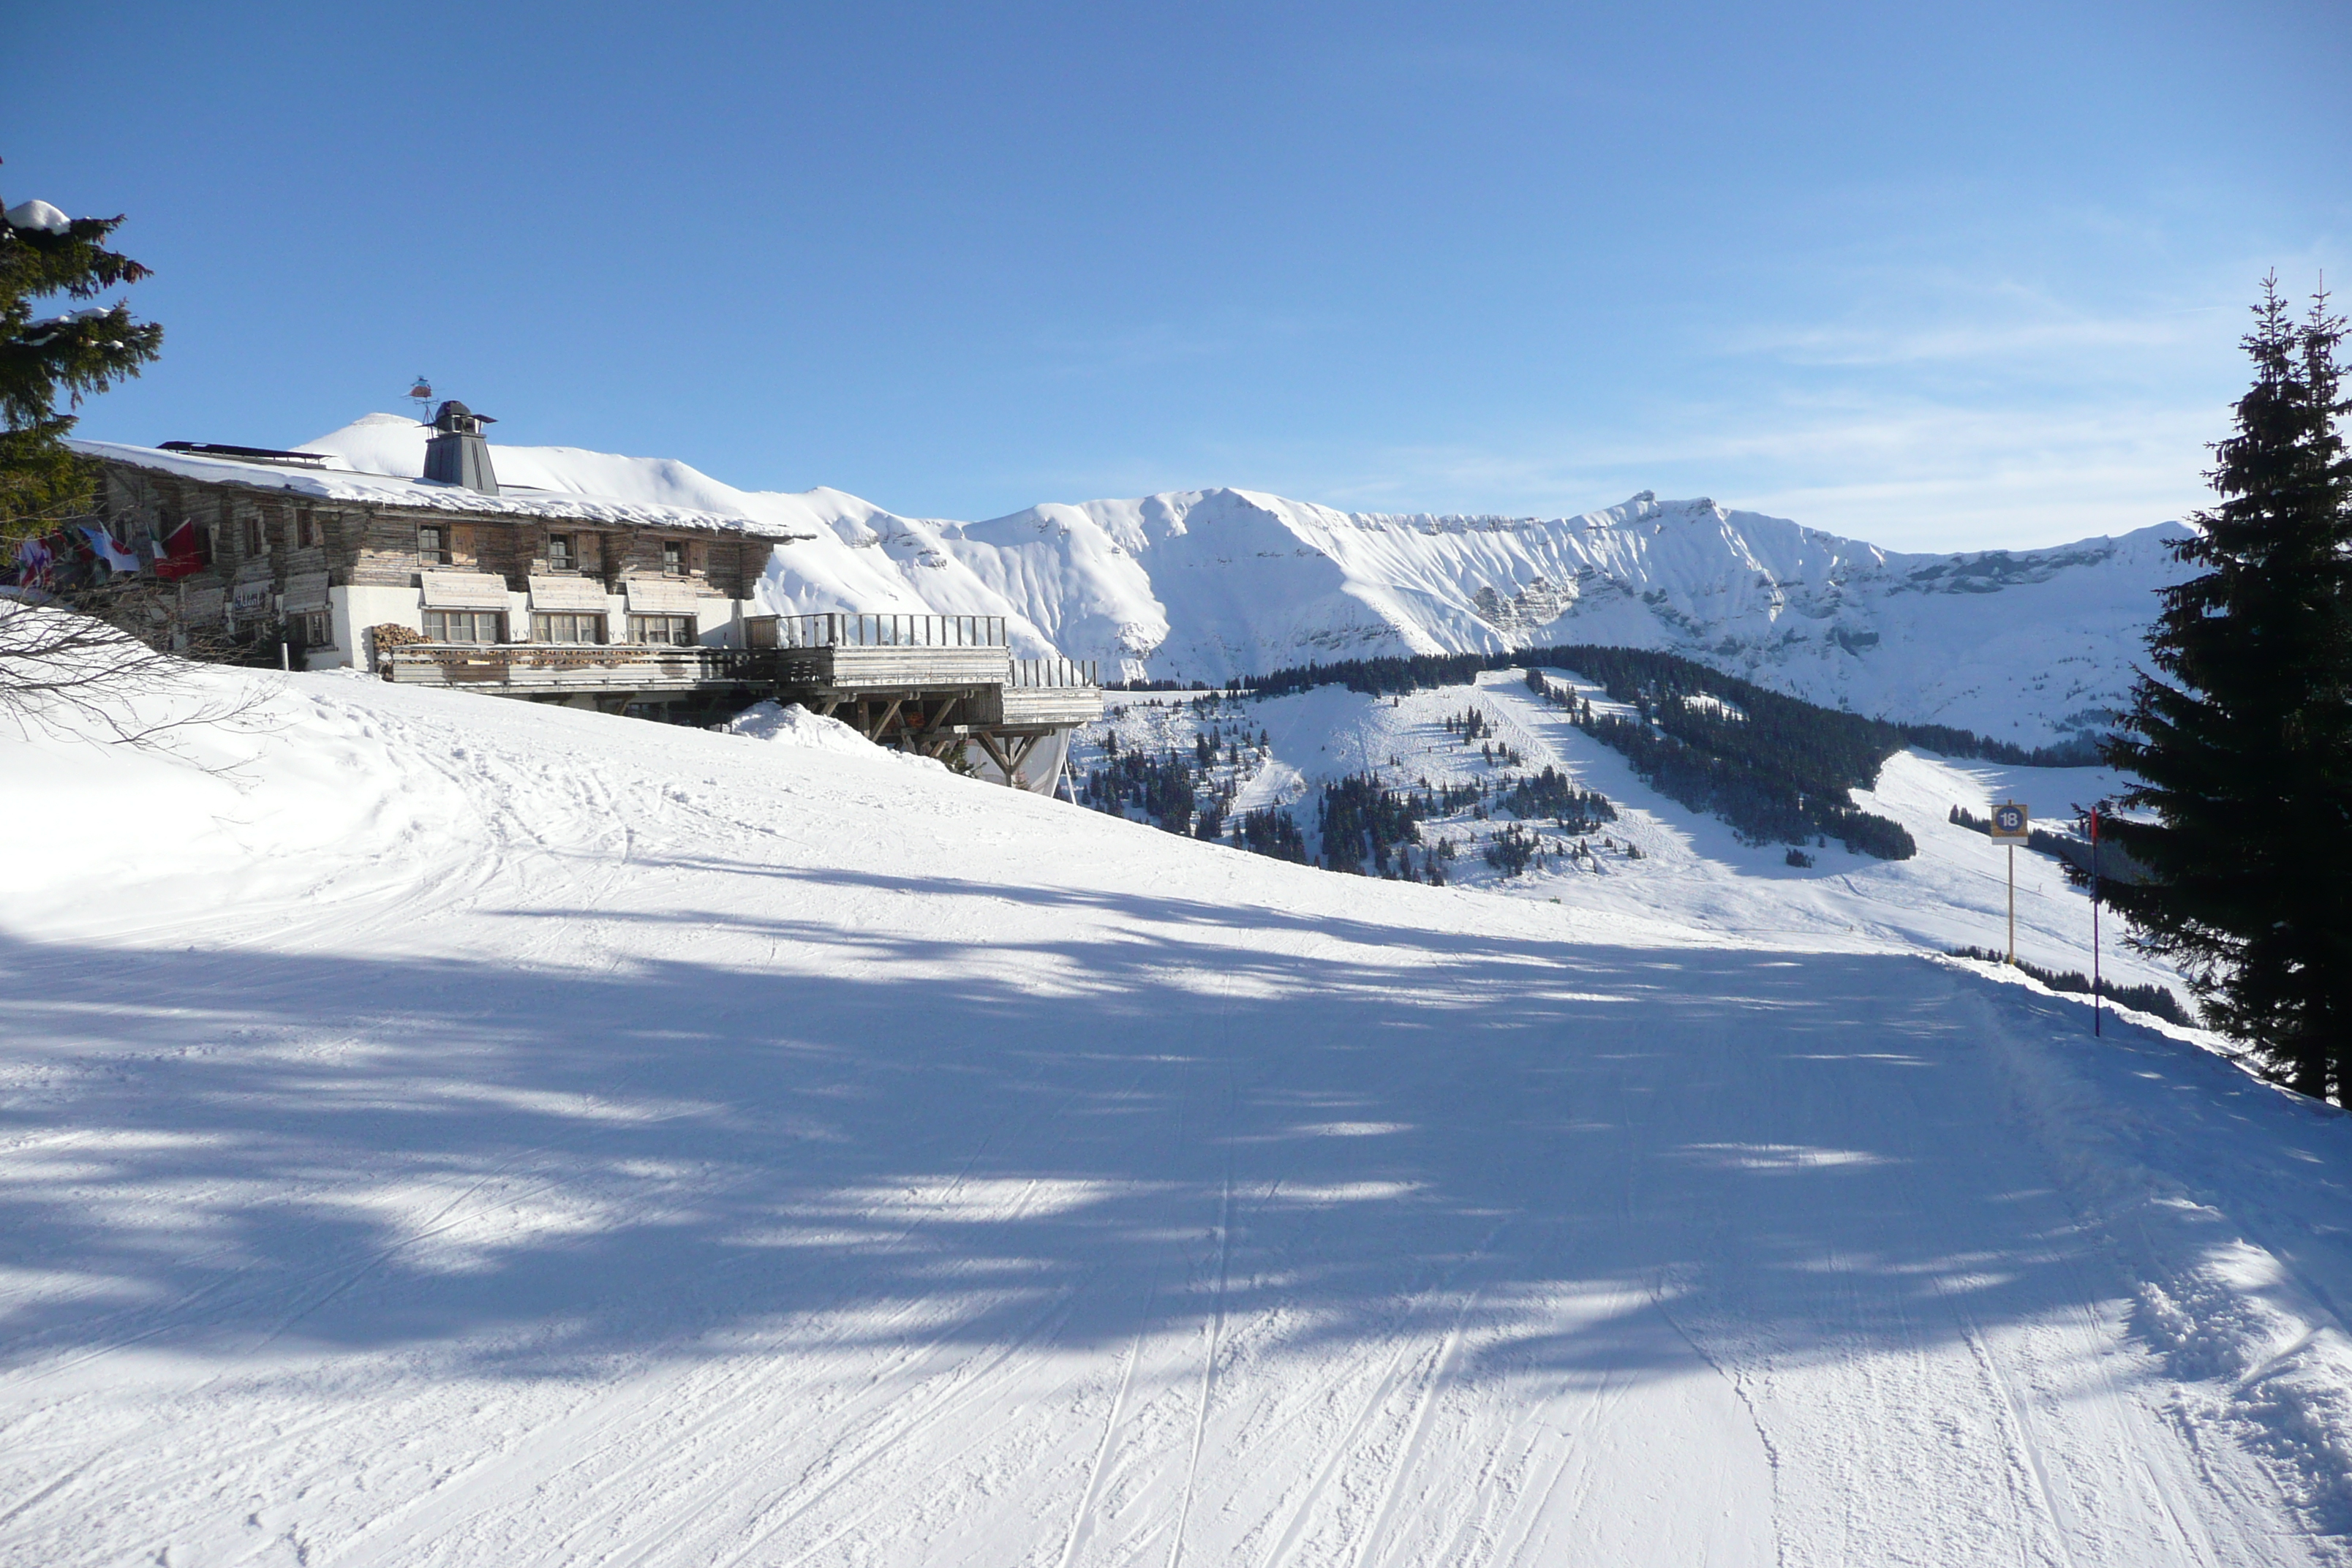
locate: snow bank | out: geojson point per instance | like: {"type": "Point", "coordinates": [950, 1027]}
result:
{"type": "Point", "coordinates": [69, 675]}
{"type": "Point", "coordinates": [793, 725]}
{"type": "Point", "coordinates": [2253, 1340]}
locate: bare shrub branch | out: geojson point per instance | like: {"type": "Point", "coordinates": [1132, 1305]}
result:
{"type": "Point", "coordinates": [64, 668]}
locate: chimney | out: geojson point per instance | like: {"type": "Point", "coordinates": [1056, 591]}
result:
{"type": "Point", "coordinates": [457, 454]}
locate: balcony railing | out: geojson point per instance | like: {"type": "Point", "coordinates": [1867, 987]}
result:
{"type": "Point", "coordinates": [565, 664]}
{"type": "Point", "coordinates": [848, 630]}
{"type": "Point", "coordinates": [626, 665]}
{"type": "Point", "coordinates": [1055, 672]}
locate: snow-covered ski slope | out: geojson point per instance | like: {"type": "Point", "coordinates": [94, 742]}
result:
{"type": "Point", "coordinates": [2027, 646]}
{"type": "Point", "coordinates": [469, 1132]}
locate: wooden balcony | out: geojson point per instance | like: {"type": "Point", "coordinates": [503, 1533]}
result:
{"type": "Point", "coordinates": [861, 659]}
{"type": "Point", "coordinates": [1050, 693]}
{"type": "Point", "coordinates": [565, 670]}
{"type": "Point", "coordinates": [845, 655]}
{"type": "Point", "coordinates": [926, 680]}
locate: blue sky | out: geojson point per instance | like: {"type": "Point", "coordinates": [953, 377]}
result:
{"type": "Point", "coordinates": [1938, 277]}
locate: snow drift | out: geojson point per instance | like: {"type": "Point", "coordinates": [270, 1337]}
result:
{"type": "Point", "coordinates": [790, 724]}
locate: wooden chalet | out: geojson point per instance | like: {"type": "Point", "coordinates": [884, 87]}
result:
{"type": "Point", "coordinates": [262, 542]}
{"type": "Point", "coordinates": [454, 580]}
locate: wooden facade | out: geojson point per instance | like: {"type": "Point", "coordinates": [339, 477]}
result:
{"type": "Point", "coordinates": [263, 559]}
{"type": "Point", "coordinates": [550, 598]}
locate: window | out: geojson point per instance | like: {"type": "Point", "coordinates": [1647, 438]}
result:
{"type": "Point", "coordinates": [432, 546]}
{"type": "Point", "coordinates": [564, 628]}
{"type": "Point", "coordinates": [254, 545]}
{"type": "Point", "coordinates": [315, 629]}
{"type": "Point", "coordinates": [676, 630]}
{"type": "Point", "coordinates": [674, 557]}
{"type": "Point", "coordinates": [306, 531]}
{"type": "Point", "coordinates": [464, 626]}
{"type": "Point", "coordinates": [559, 551]}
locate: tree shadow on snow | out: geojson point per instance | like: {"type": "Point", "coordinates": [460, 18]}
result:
{"type": "Point", "coordinates": [1585, 1154]}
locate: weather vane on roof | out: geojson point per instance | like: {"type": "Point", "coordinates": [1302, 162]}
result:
{"type": "Point", "coordinates": [422, 393]}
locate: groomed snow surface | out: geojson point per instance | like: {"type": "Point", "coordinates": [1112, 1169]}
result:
{"type": "Point", "coordinates": [465, 1132]}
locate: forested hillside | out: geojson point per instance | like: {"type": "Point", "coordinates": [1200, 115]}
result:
{"type": "Point", "coordinates": [1778, 769]}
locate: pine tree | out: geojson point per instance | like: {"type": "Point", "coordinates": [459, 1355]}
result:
{"type": "Point", "coordinates": [2240, 733]}
{"type": "Point", "coordinates": [44, 254]}
{"type": "Point", "coordinates": [71, 655]}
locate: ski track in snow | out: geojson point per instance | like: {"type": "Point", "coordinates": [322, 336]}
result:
{"type": "Point", "coordinates": [477, 1132]}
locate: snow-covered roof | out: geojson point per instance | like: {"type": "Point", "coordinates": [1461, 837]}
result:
{"type": "Point", "coordinates": [340, 478]}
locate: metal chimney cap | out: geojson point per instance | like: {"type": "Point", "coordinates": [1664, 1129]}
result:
{"type": "Point", "coordinates": [458, 419]}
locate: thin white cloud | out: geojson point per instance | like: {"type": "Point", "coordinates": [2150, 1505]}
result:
{"type": "Point", "coordinates": [1976, 411]}
{"type": "Point", "coordinates": [2013, 344]}
{"type": "Point", "coordinates": [1918, 477]}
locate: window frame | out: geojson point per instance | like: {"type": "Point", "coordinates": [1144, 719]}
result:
{"type": "Point", "coordinates": [543, 626]}
{"type": "Point", "coordinates": [677, 631]}
{"type": "Point", "coordinates": [473, 627]}
{"type": "Point", "coordinates": [437, 553]}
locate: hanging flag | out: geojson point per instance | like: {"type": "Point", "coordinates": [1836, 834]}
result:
{"type": "Point", "coordinates": [177, 555]}
{"type": "Point", "coordinates": [116, 558]}
{"type": "Point", "coordinates": [34, 564]}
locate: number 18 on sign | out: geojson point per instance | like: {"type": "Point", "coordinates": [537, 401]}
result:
{"type": "Point", "coordinates": [2011, 825]}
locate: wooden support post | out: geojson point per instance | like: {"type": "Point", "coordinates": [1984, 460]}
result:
{"type": "Point", "coordinates": [995, 753]}
{"type": "Point", "coordinates": [939, 714]}
{"type": "Point", "coordinates": [882, 727]}
{"type": "Point", "coordinates": [931, 743]}
{"type": "Point", "coordinates": [1027, 744]}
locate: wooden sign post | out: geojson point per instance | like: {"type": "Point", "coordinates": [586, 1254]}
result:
{"type": "Point", "coordinates": [2011, 825]}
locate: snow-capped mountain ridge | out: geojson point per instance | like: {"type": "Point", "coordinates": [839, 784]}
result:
{"type": "Point", "coordinates": [2027, 646]}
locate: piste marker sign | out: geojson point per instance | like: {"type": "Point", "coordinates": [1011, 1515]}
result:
{"type": "Point", "coordinates": [2010, 821]}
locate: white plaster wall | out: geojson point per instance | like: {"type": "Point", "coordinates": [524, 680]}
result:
{"type": "Point", "coordinates": [355, 609]}
{"type": "Point", "coordinates": [719, 622]}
